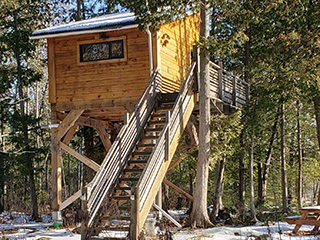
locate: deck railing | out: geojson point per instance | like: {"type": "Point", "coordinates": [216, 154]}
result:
{"type": "Point", "coordinates": [121, 148]}
{"type": "Point", "coordinates": [226, 87]}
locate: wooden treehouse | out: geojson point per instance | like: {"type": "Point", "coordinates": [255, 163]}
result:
{"type": "Point", "coordinates": [104, 71]}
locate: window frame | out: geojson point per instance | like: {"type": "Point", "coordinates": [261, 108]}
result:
{"type": "Point", "coordinates": [111, 60]}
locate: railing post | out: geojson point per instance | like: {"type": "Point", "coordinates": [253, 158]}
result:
{"type": "Point", "coordinates": [167, 138]}
{"type": "Point", "coordinates": [220, 80]}
{"type": "Point", "coordinates": [126, 118]}
{"type": "Point", "coordinates": [135, 209]}
{"type": "Point", "coordinates": [220, 86]}
{"type": "Point", "coordinates": [234, 90]}
{"type": "Point", "coordinates": [196, 71]}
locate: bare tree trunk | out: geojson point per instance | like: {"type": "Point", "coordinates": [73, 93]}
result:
{"type": "Point", "coordinates": [199, 215]}
{"type": "Point", "coordinates": [259, 181]}
{"type": "Point", "coordinates": [299, 187]}
{"type": "Point", "coordinates": [218, 189]}
{"type": "Point", "coordinates": [265, 168]}
{"type": "Point", "coordinates": [283, 164]}
{"type": "Point", "coordinates": [252, 207]}
{"type": "Point", "coordinates": [78, 10]}
{"type": "Point", "coordinates": [242, 183]}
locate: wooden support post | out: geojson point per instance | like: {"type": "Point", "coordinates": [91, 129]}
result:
{"type": "Point", "coordinates": [126, 118]}
{"type": "Point", "coordinates": [167, 141]}
{"type": "Point", "coordinates": [69, 134]}
{"type": "Point", "coordinates": [68, 123]}
{"type": "Point", "coordinates": [158, 201]}
{"type": "Point", "coordinates": [56, 168]}
{"type": "Point", "coordinates": [135, 212]}
{"type": "Point", "coordinates": [84, 209]}
{"type": "Point", "coordinates": [234, 89]}
{"type": "Point", "coordinates": [196, 71]}
{"type": "Point", "coordinates": [220, 89]}
{"type": "Point", "coordinates": [104, 138]}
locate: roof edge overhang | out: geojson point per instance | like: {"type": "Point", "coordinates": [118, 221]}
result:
{"type": "Point", "coordinates": [64, 34]}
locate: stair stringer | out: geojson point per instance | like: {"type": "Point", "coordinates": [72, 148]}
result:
{"type": "Point", "coordinates": [140, 218]}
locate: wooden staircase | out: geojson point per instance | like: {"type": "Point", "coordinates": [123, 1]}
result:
{"type": "Point", "coordinates": [123, 190]}
{"type": "Point", "coordinates": [117, 224]}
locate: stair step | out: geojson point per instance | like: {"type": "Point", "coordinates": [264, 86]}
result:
{"type": "Point", "coordinates": [124, 208]}
{"type": "Point", "coordinates": [158, 115]}
{"type": "Point", "coordinates": [121, 197]}
{"type": "Point", "coordinates": [123, 188]}
{"type": "Point", "coordinates": [145, 145]}
{"type": "Point", "coordinates": [133, 170]}
{"type": "Point", "coordinates": [153, 129]}
{"type": "Point", "coordinates": [128, 179]}
{"type": "Point", "coordinates": [137, 161]}
{"type": "Point", "coordinates": [161, 122]}
{"type": "Point", "coordinates": [163, 108]}
{"type": "Point", "coordinates": [150, 137]}
{"type": "Point", "coordinates": [147, 153]}
{"type": "Point", "coordinates": [168, 97]}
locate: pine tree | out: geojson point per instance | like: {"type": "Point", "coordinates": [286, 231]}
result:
{"type": "Point", "coordinates": [18, 20]}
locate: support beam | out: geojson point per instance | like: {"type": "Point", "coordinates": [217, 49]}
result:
{"type": "Point", "coordinates": [179, 159]}
{"type": "Point", "coordinates": [69, 134]}
{"type": "Point", "coordinates": [68, 122]}
{"type": "Point", "coordinates": [178, 190]}
{"type": "Point", "coordinates": [93, 165]}
{"type": "Point", "coordinates": [97, 104]}
{"type": "Point", "coordinates": [89, 122]}
{"type": "Point", "coordinates": [104, 138]}
{"type": "Point", "coordinates": [167, 215]}
{"type": "Point", "coordinates": [56, 165]}
{"type": "Point", "coordinates": [72, 198]}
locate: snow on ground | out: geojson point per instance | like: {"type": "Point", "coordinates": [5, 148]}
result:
{"type": "Point", "coordinates": [18, 226]}
{"type": "Point", "coordinates": [246, 233]}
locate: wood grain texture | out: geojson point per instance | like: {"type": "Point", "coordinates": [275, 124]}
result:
{"type": "Point", "coordinates": [100, 80]}
{"type": "Point", "coordinates": [67, 123]}
{"type": "Point", "coordinates": [51, 71]}
{"type": "Point", "coordinates": [176, 42]}
{"type": "Point", "coordinates": [93, 165]}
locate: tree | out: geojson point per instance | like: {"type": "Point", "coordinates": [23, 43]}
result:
{"type": "Point", "coordinates": [18, 21]}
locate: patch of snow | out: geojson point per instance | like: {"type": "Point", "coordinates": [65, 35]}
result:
{"type": "Point", "coordinates": [237, 233]}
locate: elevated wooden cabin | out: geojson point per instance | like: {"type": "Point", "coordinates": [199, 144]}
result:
{"type": "Point", "coordinates": [102, 65]}
{"type": "Point", "coordinates": [103, 71]}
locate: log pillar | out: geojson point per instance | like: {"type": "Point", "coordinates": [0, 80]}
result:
{"type": "Point", "coordinates": [56, 170]}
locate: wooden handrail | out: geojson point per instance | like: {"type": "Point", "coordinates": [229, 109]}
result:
{"type": "Point", "coordinates": [121, 148]}
{"type": "Point", "coordinates": [159, 153]}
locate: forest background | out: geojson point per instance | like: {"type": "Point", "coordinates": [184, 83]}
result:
{"type": "Point", "coordinates": [263, 157]}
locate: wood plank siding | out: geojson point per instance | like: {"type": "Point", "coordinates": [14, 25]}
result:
{"type": "Point", "coordinates": [92, 81]}
{"type": "Point", "coordinates": [175, 42]}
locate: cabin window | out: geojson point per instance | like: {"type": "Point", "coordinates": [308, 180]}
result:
{"type": "Point", "coordinates": [107, 51]}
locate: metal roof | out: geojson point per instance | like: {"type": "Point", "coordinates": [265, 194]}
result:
{"type": "Point", "coordinates": [110, 22]}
